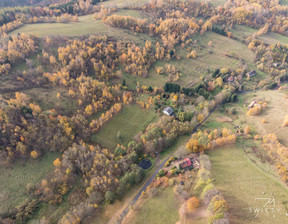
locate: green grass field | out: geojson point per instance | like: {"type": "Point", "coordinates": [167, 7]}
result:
{"type": "Point", "coordinates": [47, 99]}
{"type": "Point", "coordinates": [274, 38]}
{"type": "Point", "coordinates": [131, 12]}
{"type": "Point", "coordinates": [208, 59]}
{"type": "Point", "coordinates": [242, 32]}
{"type": "Point", "coordinates": [131, 120]}
{"type": "Point", "coordinates": [85, 26]}
{"type": "Point", "coordinates": [180, 142]}
{"type": "Point", "coordinates": [161, 209]}
{"type": "Point", "coordinates": [241, 182]}
{"type": "Point", "coordinates": [124, 3]}
{"type": "Point", "coordinates": [13, 181]}
{"type": "Point", "coordinates": [215, 3]}
{"type": "Point", "coordinates": [284, 2]}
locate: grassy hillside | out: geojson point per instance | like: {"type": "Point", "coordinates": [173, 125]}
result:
{"type": "Point", "coordinates": [241, 183]}
{"type": "Point", "coordinates": [215, 3]}
{"type": "Point", "coordinates": [85, 26]}
{"type": "Point", "coordinates": [124, 3]}
{"type": "Point", "coordinates": [242, 32]}
{"type": "Point", "coordinates": [274, 113]}
{"type": "Point", "coordinates": [274, 38]}
{"type": "Point", "coordinates": [131, 120]}
{"type": "Point", "coordinates": [13, 3]}
{"type": "Point", "coordinates": [161, 209]}
{"type": "Point", "coordinates": [13, 181]}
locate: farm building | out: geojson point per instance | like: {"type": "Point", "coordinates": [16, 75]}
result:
{"type": "Point", "coordinates": [251, 74]}
{"type": "Point", "coordinates": [168, 111]}
{"type": "Point", "coordinates": [186, 164]}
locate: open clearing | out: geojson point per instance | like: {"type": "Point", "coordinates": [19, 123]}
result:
{"type": "Point", "coordinates": [274, 38]}
{"type": "Point", "coordinates": [160, 209]}
{"type": "Point", "coordinates": [124, 3]}
{"type": "Point", "coordinates": [242, 32]}
{"type": "Point", "coordinates": [86, 25]}
{"type": "Point", "coordinates": [225, 52]}
{"type": "Point", "coordinates": [274, 113]}
{"type": "Point", "coordinates": [47, 99]}
{"type": "Point", "coordinates": [130, 120]}
{"type": "Point", "coordinates": [13, 181]}
{"type": "Point", "coordinates": [284, 2]}
{"type": "Point", "coordinates": [215, 3]}
{"type": "Point", "coordinates": [241, 183]}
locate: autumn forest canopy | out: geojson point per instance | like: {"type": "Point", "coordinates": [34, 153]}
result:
{"type": "Point", "coordinates": [84, 86]}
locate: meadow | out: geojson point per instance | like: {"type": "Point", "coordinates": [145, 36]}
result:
{"type": "Point", "coordinates": [274, 38]}
{"type": "Point", "coordinates": [14, 180]}
{"type": "Point", "coordinates": [274, 113]}
{"type": "Point", "coordinates": [242, 32]}
{"type": "Point", "coordinates": [241, 182]}
{"type": "Point", "coordinates": [215, 3]}
{"type": "Point", "coordinates": [85, 26]}
{"type": "Point", "coordinates": [47, 99]}
{"type": "Point", "coordinates": [124, 3]}
{"type": "Point", "coordinates": [161, 209]}
{"type": "Point", "coordinates": [224, 52]}
{"type": "Point", "coordinates": [130, 120]}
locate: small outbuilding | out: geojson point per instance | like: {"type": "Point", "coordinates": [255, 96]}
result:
{"type": "Point", "coordinates": [251, 74]}
{"type": "Point", "coordinates": [168, 111]}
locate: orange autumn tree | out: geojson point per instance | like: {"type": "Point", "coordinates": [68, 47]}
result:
{"type": "Point", "coordinates": [203, 140]}
{"type": "Point", "coordinates": [247, 130]}
{"type": "Point", "coordinates": [192, 203]}
{"type": "Point", "coordinates": [57, 162]}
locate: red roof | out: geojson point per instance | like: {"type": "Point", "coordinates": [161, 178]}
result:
{"type": "Point", "coordinates": [187, 162]}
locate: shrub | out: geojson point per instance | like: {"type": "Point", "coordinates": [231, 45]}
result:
{"type": "Point", "coordinates": [216, 217]}
{"type": "Point", "coordinates": [210, 194]}
{"type": "Point", "coordinates": [208, 187]}
{"type": "Point", "coordinates": [218, 204]}
{"type": "Point", "coordinates": [110, 196]}
{"type": "Point", "coordinates": [161, 173]}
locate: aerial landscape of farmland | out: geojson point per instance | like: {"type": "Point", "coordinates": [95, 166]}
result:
{"type": "Point", "coordinates": [144, 111]}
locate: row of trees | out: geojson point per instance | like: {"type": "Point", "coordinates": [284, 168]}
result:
{"type": "Point", "coordinates": [204, 141]}
{"type": "Point", "coordinates": [278, 153]}
{"type": "Point", "coordinates": [95, 125]}
{"type": "Point", "coordinates": [210, 195]}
